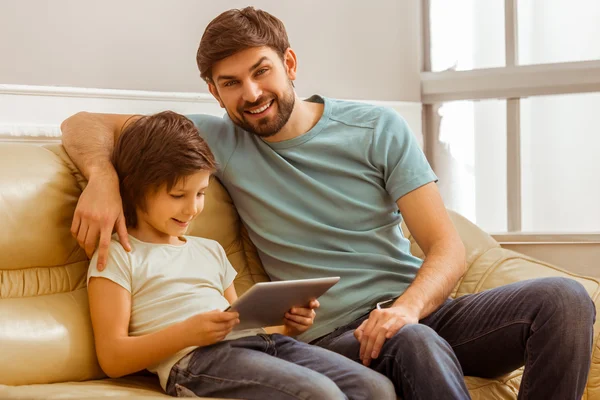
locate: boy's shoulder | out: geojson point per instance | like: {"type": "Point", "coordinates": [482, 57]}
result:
{"type": "Point", "coordinates": [201, 242]}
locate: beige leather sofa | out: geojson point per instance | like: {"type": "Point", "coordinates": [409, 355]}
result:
{"type": "Point", "coordinates": [46, 343]}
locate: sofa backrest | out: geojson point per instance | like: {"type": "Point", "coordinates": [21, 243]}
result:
{"type": "Point", "coordinates": [45, 329]}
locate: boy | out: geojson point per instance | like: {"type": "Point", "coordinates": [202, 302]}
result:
{"type": "Point", "coordinates": [159, 306]}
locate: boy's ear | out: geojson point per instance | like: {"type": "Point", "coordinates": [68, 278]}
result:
{"type": "Point", "coordinates": [213, 90]}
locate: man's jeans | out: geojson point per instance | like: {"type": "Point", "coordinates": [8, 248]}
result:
{"type": "Point", "coordinates": [544, 324]}
{"type": "Point", "coordinates": [274, 367]}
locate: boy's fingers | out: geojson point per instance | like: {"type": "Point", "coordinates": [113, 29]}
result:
{"type": "Point", "coordinates": [298, 327]}
{"type": "Point", "coordinates": [298, 319]}
{"type": "Point", "coordinates": [225, 316]}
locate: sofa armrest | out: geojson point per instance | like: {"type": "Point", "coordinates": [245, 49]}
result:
{"type": "Point", "coordinates": [497, 267]}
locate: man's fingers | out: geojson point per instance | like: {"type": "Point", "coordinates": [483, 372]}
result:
{"type": "Point", "coordinates": [122, 232]}
{"type": "Point", "coordinates": [75, 225]}
{"type": "Point", "coordinates": [374, 346]}
{"type": "Point", "coordinates": [358, 332]}
{"type": "Point", "coordinates": [82, 234]}
{"type": "Point", "coordinates": [370, 324]}
{"type": "Point", "coordinates": [91, 240]}
{"type": "Point", "coordinates": [378, 342]}
{"type": "Point", "coordinates": [314, 303]}
{"type": "Point", "coordinates": [103, 247]}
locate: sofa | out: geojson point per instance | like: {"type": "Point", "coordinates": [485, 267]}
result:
{"type": "Point", "coordinates": [46, 339]}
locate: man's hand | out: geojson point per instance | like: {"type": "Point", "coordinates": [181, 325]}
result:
{"type": "Point", "coordinates": [210, 327]}
{"type": "Point", "coordinates": [380, 326]}
{"type": "Point", "coordinates": [299, 319]}
{"type": "Point", "coordinates": [98, 211]}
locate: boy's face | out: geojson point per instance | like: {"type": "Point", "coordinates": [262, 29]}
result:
{"type": "Point", "coordinates": [255, 87]}
{"type": "Point", "coordinates": [168, 214]}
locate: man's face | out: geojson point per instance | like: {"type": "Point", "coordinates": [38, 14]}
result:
{"type": "Point", "coordinates": [255, 87]}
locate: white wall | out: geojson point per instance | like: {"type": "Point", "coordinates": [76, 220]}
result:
{"type": "Point", "coordinates": [346, 49]}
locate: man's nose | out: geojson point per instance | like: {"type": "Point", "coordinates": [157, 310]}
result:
{"type": "Point", "coordinates": [252, 92]}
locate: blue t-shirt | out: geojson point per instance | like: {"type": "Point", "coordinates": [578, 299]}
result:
{"type": "Point", "coordinates": [324, 203]}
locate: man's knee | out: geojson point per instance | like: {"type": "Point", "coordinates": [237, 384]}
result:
{"type": "Point", "coordinates": [567, 298]}
{"type": "Point", "coordinates": [416, 339]}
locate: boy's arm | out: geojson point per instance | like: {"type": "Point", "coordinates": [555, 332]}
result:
{"type": "Point", "coordinates": [89, 140]}
{"type": "Point", "coordinates": [120, 354]}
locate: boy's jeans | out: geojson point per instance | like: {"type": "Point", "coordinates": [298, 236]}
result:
{"type": "Point", "coordinates": [274, 367]}
{"type": "Point", "coordinates": [544, 324]}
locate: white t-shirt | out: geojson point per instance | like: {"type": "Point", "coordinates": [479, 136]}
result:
{"type": "Point", "coordinates": [168, 284]}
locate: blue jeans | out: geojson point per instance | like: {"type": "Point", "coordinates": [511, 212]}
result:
{"type": "Point", "coordinates": [274, 367]}
{"type": "Point", "coordinates": [544, 324]}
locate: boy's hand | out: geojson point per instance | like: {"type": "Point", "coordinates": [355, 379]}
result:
{"type": "Point", "coordinates": [210, 327]}
{"type": "Point", "coordinates": [299, 319]}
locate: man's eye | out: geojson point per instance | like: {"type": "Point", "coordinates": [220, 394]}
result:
{"type": "Point", "coordinates": [200, 194]}
{"type": "Point", "coordinates": [229, 83]}
{"type": "Point", "coordinates": [261, 71]}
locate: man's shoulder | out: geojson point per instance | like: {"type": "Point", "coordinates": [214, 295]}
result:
{"type": "Point", "coordinates": [211, 123]}
{"type": "Point", "coordinates": [360, 114]}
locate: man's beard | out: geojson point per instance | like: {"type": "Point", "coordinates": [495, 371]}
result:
{"type": "Point", "coordinates": [268, 126]}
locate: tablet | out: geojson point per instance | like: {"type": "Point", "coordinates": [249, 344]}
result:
{"type": "Point", "coordinates": [266, 303]}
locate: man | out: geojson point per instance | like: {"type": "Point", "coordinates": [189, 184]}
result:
{"type": "Point", "coordinates": [322, 186]}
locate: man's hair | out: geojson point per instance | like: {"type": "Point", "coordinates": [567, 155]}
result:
{"type": "Point", "coordinates": [236, 30]}
{"type": "Point", "coordinates": [157, 150]}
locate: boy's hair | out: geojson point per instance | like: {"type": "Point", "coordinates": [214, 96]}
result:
{"type": "Point", "coordinates": [157, 150]}
{"type": "Point", "coordinates": [236, 30]}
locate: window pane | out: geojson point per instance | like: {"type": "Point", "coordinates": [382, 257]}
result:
{"type": "Point", "coordinates": [466, 34]}
{"type": "Point", "coordinates": [558, 31]}
{"type": "Point", "coordinates": [470, 160]}
{"type": "Point", "coordinates": [560, 142]}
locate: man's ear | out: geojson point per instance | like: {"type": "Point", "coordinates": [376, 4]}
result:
{"type": "Point", "coordinates": [290, 63]}
{"type": "Point", "coordinates": [213, 90]}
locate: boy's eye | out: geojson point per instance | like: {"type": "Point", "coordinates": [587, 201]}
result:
{"type": "Point", "coordinates": [177, 196]}
{"type": "Point", "coordinates": [200, 194]}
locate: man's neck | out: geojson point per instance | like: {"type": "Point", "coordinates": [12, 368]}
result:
{"type": "Point", "coordinates": [305, 116]}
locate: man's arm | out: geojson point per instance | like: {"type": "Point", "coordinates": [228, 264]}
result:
{"type": "Point", "coordinates": [120, 354]}
{"type": "Point", "coordinates": [428, 221]}
{"type": "Point", "coordinates": [89, 140]}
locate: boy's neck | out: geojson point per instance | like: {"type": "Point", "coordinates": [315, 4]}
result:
{"type": "Point", "coordinates": [156, 237]}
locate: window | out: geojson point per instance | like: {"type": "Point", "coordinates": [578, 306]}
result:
{"type": "Point", "coordinates": [560, 141]}
{"type": "Point", "coordinates": [510, 89]}
{"type": "Point", "coordinates": [552, 31]}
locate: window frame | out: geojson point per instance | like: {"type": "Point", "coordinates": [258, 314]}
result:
{"type": "Point", "coordinates": [512, 83]}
